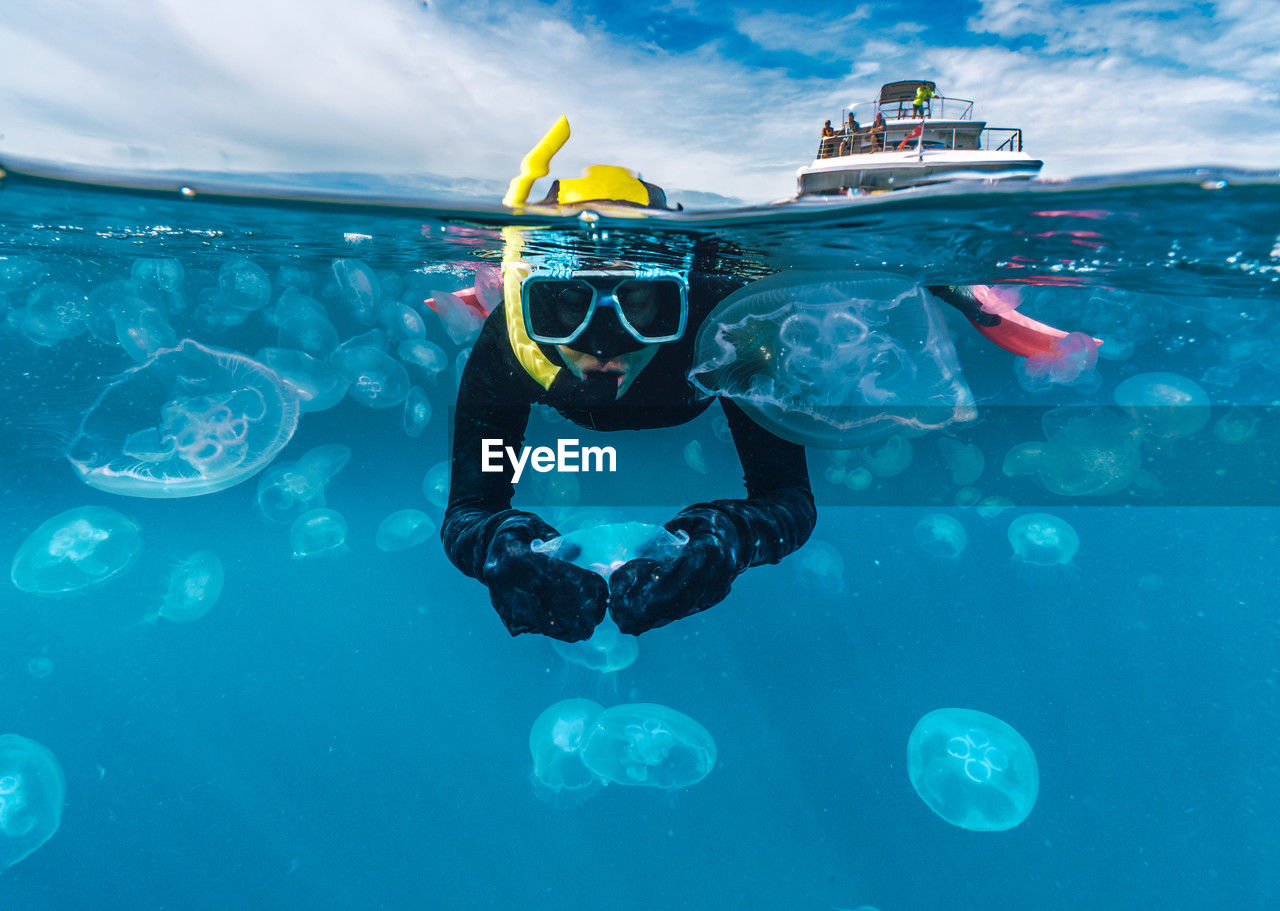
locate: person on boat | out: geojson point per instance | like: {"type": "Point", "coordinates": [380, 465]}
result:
{"type": "Point", "coordinates": [607, 340]}
{"type": "Point", "coordinates": [828, 130]}
{"type": "Point", "coordinates": [877, 133]}
{"type": "Point", "coordinates": [921, 102]}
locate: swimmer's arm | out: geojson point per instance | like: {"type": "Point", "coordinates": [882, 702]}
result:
{"type": "Point", "coordinates": [490, 406]}
{"type": "Point", "coordinates": [778, 514]}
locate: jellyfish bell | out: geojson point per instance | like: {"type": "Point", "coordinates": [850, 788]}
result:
{"type": "Point", "coordinates": [648, 745]}
{"type": "Point", "coordinates": [1042, 539]}
{"type": "Point", "coordinates": [556, 740]}
{"type": "Point", "coordinates": [74, 550]}
{"type": "Point", "coordinates": [1166, 405]}
{"type": "Point", "coordinates": [32, 793]}
{"type": "Point", "coordinates": [836, 360]}
{"type": "Point", "coordinates": [191, 420]}
{"type": "Point", "coordinates": [318, 532]}
{"type": "Point", "coordinates": [403, 529]}
{"type": "Point", "coordinates": [195, 584]}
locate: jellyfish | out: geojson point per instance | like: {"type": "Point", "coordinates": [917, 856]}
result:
{"type": "Point", "coordinates": [650, 745]}
{"type": "Point", "coordinates": [1043, 539]}
{"type": "Point", "coordinates": [964, 459]}
{"type": "Point", "coordinates": [435, 485]}
{"type": "Point", "coordinates": [40, 666]}
{"type": "Point", "coordinates": [891, 458]}
{"type": "Point", "coordinates": [194, 587]}
{"type": "Point", "coordinates": [972, 769]}
{"type": "Point", "coordinates": [288, 489]}
{"type": "Point", "coordinates": [1022, 460]}
{"type": "Point", "coordinates": [603, 548]}
{"type": "Point", "coordinates": [1070, 363]}
{"type": "Point", "coordinates": [556, 741]}
{"type": "Point", "coordinates": [19, 273]}
{"type": "Point", "coordinates": [243, 285]}
{"type": "Point", "coordinates": [417, 412]}
{"type": "Point", "coordinates": [460, 321]}
{"type": "Point", "coordinates": [164, 273]}
{"type": "Point", "coordinates": [32, 792]}
{"type": "Point", "coordinates": [141, 324]}
{"type": "Point", "coordinates": [422, 355]}
{"type": "Point", "coordinates": [990, 507]}
{"type": "Point", "coordinates": [377, 379]}
{"type": "Point", "coordinates": [401, 321]}
{"type": "Point", "coordinates": [1166, 405]}
{"type": "Point", "coordinates": [1089, 452]}
{"type": "Point", "coordinates": [941, 535]}
{"type": "Point", "coordinates": [1237, 426]}
{"type": "Point", "coordinates": [190, 421]}
{"type": "Point", "coordinates": [318, 386]}
{"type": "Point", "coordinates": [818, 567]}
{"type": "Point", "coordinates": [318, 531]}
{"type": "Point", "coordinates": [359, 287]}
{"type": "Point", "coordinates": [54, 311]}
{"type": "Point", "coordinates": [833, 359]}
{"type": "Point", "coordinates": [403, 529]}
{"type": "Point", "coordinates": [303, 324]}
{"type": "Point", "coordinates": [608, 649]}
{"type": "Point", "coordinates": [693, 457]}
{"type": "Point", "coordinates": [74, 550]}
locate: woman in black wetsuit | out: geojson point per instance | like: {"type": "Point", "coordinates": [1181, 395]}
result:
{"type": "Point", "coordinates": [609, 347]}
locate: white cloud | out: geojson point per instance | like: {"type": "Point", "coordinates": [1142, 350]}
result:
{"type": "Point", "coordinates": [775, 31]}
{"type": "Point", "coordinates": [463, 89]}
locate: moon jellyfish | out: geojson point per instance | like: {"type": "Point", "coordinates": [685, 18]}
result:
{"type": "Point", "coordinates": [693, 457]}
{"type": "Point", "coordinates": [1043, 539]}
{"type": "Point", "coordinates": [404, 529]}
{"type": "Point", "coordinates": [359, 287]}
{"type": "Point", "coordinates": [54, 311]}
{"type": "Point", "coordinates": [74, 550]}
{"type": "Point", "coordinates": [556, 740]}
{"type": "Point", "coordinates": [318, 386]}
{"type": "Point", "coordinates": [303, 324]}
{"type": "Point", "coordinates": [243, 284]}
{"type": "Point", "coordinates": [401, 321]}
{"type": "Point", "coordinates": [1070, 363]}
{"type": "Point", "coordinates": [1023, 460]}
{"type": "Point", "coordinates": [194, 587]}
{"type": "Point", "coordinates": [288, 489]}
{"type": "Point", "coordinates": [1089, 452]}
{"type": "Point", "coordinates": [891, 458]}
{"type": "Point", "coordinates": [435, 484]}
{"type": "Point", "coordinates": [941, 535]}
{"type": "Point", "coordinates": [1166, 405]}
{"type": "Point", "coordinates": [602, 549]}
{"type": "Point", "coordinates": [141, 323]}
{"type": "Point", "coordinates": [32, 792]}
{"type": "Point", "coordinates": [964, 459]}
{"type": "Point", "coordinates": [40, 666]}
{"type": "Point", "coordinates": [319, 531]}
{"type": "Point", "coordinates": [190, 421]}
{"type": "Point", "coordinates": [818, 567]}
{"type": "Point", "coordinates": [377, 379]}
{"type": "Point", "coordinates": [461, 322]}
{"type": "Point", "coordinates": [1239, 425]}
{"type": "Point", "coordinates": [972, 769]}
{"type": "Point", "coordinates": [417, 412]}
{"type": "Point", "coordinates": [651, 745]}
{"type": "Point", "coordinates": [163, 273]}
{"type": "Point", "coordinates": [425, 356]}
{"type": "Point", "coordinates": [836, 360]}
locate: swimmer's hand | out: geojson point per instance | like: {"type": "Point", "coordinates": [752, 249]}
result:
{"type": "Point", "coordinates": [647, 593]}
{"type": "Point", "coordinates": [537, 593]}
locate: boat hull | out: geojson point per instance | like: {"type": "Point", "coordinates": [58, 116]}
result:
{"type": "Point", "coordinates": [897, 170]}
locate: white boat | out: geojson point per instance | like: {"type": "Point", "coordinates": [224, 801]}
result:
{"type": "Point", "coordinates": [909, 148]}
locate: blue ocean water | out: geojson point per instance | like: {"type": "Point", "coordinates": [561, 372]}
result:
{"type": "Point", "coordinates": [351, 731]}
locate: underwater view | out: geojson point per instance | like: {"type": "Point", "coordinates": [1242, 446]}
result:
{"type": "Point", "coordinates": [1029, 656]}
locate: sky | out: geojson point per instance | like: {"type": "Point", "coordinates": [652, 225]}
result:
{"type": "Point", "coordinates": [713, 95]}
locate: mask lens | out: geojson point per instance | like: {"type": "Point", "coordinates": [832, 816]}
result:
{"type": "Point", "coordinates": [558, 308]}
{"type": "Point", "coordinates": [651, 305]}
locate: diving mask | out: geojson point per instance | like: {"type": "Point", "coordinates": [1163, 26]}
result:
{"type": "Point", "coordinates": [651, 306]}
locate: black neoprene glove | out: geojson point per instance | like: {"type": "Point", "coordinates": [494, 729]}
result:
{"type": "Point", "coordinates": [537, 593]}
{"type": "Point", "coordinates": [646, 593]}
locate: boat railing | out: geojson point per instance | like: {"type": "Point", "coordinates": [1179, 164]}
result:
{"type": "Point", "coordinates": [1010, 140]}
{"type": "Point", "coordinates": [939, 106]}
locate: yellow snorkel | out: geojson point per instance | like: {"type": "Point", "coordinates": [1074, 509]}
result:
{"type": "Point", "coordinates": [537, 163]}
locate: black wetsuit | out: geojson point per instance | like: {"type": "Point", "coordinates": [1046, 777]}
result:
{"type": "Point", "coordinates": [494, 402]}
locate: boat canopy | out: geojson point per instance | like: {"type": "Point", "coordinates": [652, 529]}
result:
{"type": "Point", "coordinates": [902, 94]}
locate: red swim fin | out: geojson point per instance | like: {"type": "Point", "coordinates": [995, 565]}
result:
{"type": "Point", "coordinates": [1015, 333]}
{"type": "Point", "coordinates": [468, 296]}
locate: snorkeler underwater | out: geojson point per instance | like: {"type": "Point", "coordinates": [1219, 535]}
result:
{"type": "Point", "coordinates": [408, 503]}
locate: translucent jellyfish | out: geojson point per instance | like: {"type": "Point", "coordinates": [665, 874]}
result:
{"type": "Point", "coordinates": [1239, 425]}
{"type": "Point", "coordinates": [968, 496]}
{"type": "Point", "coordinates": [190, 421]}
{"type": "Point", "coordinates": [194, 587]}
{"type": "Point", "coordinates": [19, 273]}
{"type": "Point", "coordinates": [317, 532]}
{"type": "Point", "coordinates": [891, 458]}
{"type": "Point", "coordinates": [163, 273]}
{"type": "Point", "coordinates": [361, 292]}
{"type": "Point", "coordinates": [401, 321]}
{"type": "Point", "coordinates": [141, 323]}
{"type": "Point", "coordinates": [417, 412]}
{"type": "Point", "coordinates": [304, 325]}
{"type": "Point", "coordinates": [651, 745]}
{"type": "Point", "coordinates": [972, 769]}
{"type": "Point", "coordinates": [603, 548]}
{"type": "Point", "coordinates": [422, 355]}
{"type": "Point", "coordinates": [1070, 363]}
{"type": "Point", "coordinates": [288, 489]}
{"type": "Point", "coordinates": [319, 387]}
{"type": "Point", "coordinates": [54, 311]}
{"type": "Point", "coordinates": [556, 741]}
{"type": "Point", "coordinates": [32, 792]}
{"type": "Point", "coordinates": [990, 507]}
{"type": "Point", "coordinates": [40, 666]}
{"type": "Point", "coordinates": [377, 379]}
{"type": "Point", "coordinates": [833, 359]}
{"type": "Point", "coordinates": [941, 535]}
{"type": "Point", "coordinates": [243, 285]}
{"type": "Point", "coordinates": [1166, 405]}
{"type": "Point", "coordinates": [1043, 539]}
{"type": "Point", "coordinates": [435, 485]}
{"type": "Point", "coordinates": [1089, 452]}
{"type": "Point", "coordinates": [404, 529]}
{"type": "Point", "coordinates": [74, 550]}
{"type": "Point", "coordinates": [964, 459]}
{"type": "Point", "coordinates": [461, 322]}
{"type": "Point", "coordinates": [693, 457]}
{"type": "Point", "coordinates": [1022, 460]}
{"type": "Point", "coordinates": [818, 567]}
